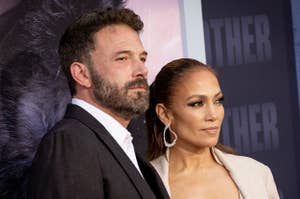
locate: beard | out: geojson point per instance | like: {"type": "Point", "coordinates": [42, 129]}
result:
{"type": "Point", "coordinates": [118, 99]}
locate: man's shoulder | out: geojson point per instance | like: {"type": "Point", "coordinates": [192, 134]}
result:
{"type": "Point", "coordinates": [66, 126]}
{"type": "Point", "coordinates": [70, 130]}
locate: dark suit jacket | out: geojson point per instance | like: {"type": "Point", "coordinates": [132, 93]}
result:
{"type": "Point", "coordinates": [79, 159]}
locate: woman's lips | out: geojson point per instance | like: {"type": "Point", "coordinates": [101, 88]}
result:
{"type": "Point", "coordinates": [211, 130]}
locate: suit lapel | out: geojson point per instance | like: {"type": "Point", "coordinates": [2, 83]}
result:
{"type": "Point", "coordinates": [135, 177]}
{"type": "Point", "coordinates": [153, 179]}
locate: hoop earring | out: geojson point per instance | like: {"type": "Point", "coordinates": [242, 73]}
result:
{"type": "Point", "coordinates": [167, 144]}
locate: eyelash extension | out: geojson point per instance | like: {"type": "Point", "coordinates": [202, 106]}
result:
{"type": "Point", "coordinates": [192, 104]}
{"type": "Point", "coordinates": [200, 102]}
{"type": "Point", "coordinates": [221, 99]}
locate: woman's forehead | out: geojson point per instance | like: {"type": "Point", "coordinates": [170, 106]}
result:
{"type": "Point", "coordinates": [201, 81]}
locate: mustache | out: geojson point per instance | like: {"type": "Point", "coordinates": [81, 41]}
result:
{"type": "Point", "coordinates": [137, 83]}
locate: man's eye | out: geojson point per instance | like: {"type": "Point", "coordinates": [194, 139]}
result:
{"type": "Point", "coordinates": [143, 59]}
{"type": "Point", "coordinates": [121, 58]}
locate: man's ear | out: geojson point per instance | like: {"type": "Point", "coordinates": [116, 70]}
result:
{"type": "Point", "coordinates": [163, 114]}
{"type": "Point", "coordinates": [80, 74]}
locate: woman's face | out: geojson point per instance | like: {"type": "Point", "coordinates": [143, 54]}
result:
{"type": "Point", "coordinates": [197, 110]}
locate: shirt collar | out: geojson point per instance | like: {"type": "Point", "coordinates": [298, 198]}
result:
{"type": "Point", "coordinates": [116, 130]}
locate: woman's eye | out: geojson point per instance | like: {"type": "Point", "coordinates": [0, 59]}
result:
{"type": "Point", "coordinates": [220, 100]}
{"type": "Point", "coordinates": [143, 59]}
{"type": "Point", "coordinates": [196, 104]}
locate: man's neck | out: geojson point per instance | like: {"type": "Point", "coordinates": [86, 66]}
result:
{"type": "Point", "coordinates": [116, 116]}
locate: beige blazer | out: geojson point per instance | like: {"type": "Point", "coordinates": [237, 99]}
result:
{"type": "Point", "coordinates": [254, 179]}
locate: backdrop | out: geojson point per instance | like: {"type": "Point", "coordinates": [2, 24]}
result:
{"type": "Point", "coordinates": [248, 42]}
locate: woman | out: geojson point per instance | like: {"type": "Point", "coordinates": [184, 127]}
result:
{"type": "Point", "coordinates": [184, 121]}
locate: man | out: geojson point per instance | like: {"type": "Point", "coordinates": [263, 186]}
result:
{"type": "Point", "coordinates": [89, 154]}
{"type": "Point", "coordinates": [29, 65]}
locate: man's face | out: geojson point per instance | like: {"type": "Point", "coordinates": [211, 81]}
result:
{"type": "Point", "coordinates": [118, 74]}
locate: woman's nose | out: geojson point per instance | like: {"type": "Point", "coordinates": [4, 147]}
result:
{"type": "Point", "coordinates": [211, 113]}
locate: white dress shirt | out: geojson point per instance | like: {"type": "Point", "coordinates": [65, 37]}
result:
{"type": "Point", "coordinates": [121, 135]}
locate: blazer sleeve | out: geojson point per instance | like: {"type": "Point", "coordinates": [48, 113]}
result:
{"type": "Point", "coordinates": [271, 186]}
{"type": "Point", "coordinates": [66, 167]}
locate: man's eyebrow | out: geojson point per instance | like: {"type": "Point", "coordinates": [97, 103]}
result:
{"type": "Point", "coordinates": [129, 52]}
{"type": "Point", "coordinates": [122, 52]}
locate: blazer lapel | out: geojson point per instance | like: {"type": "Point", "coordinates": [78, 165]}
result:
{"type": "Point", "coordinates": [133, 174]}
{"type": "Point", "coordinates": [240, 180]}
{"type": "Point", "coordinates": [243, 175]}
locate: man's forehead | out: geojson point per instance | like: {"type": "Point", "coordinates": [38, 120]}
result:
{"type": "Point", "coordinates": [119, 37]}
{"type": "Point", "coordinates": [116, 29]}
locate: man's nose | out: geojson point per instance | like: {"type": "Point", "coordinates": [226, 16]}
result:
{"type": "Point", "coordinates": [140, 69]}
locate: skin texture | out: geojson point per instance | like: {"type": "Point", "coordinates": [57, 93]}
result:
{"type": "Point", "coordinates": [121, 57]}
{"type": "Point", "coordinates": [196, 114]}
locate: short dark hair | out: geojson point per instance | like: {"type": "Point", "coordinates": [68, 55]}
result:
{"type": "Point", "coordinates": [78, 40]}
{"type": "Point", "coordinates": [161, 91]}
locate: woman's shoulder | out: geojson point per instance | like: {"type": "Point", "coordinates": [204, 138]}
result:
{"type": "Point", "coordinates": [160, 162]}
{"type": "Point", "coordinates": [239, 161]}
{"type": "Point", "coordinates": [253, 177]}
